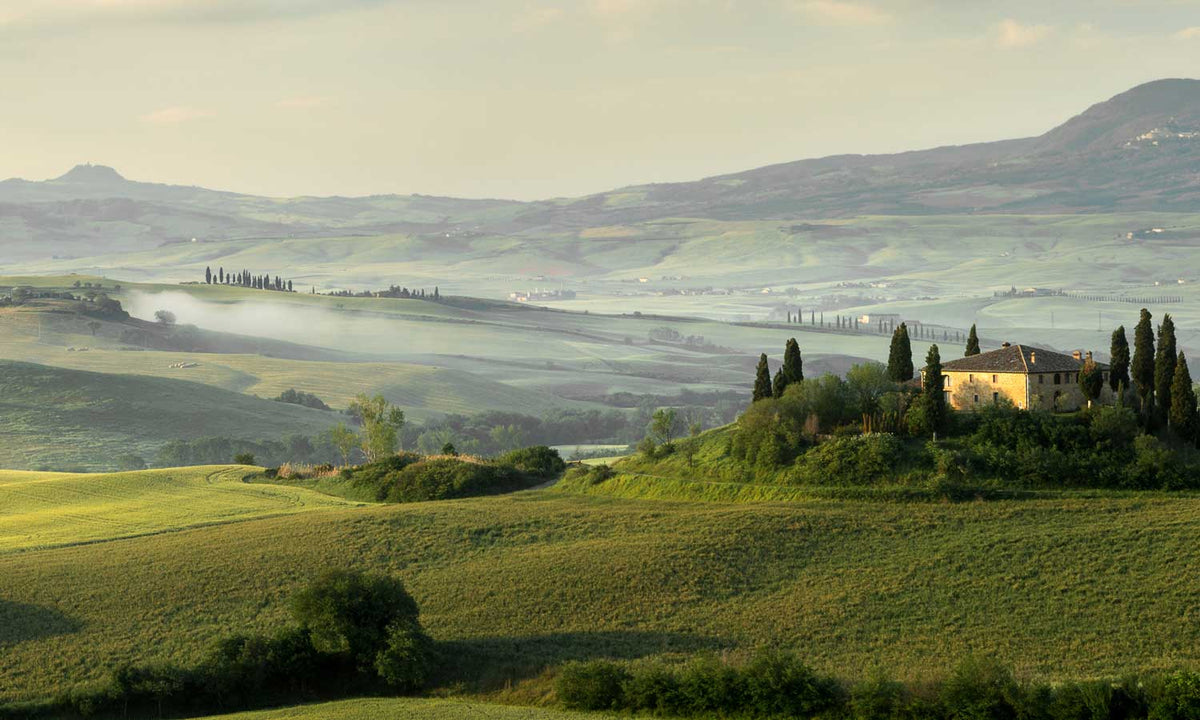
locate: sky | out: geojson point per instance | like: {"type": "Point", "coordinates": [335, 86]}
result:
{"type": "Point", "coordinates": [535, 99]}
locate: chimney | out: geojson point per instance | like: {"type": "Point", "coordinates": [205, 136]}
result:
{"type": "Point", "coordinates": [1006, 344]}
{"type": "Point", "coordinates": [1077, 355]}
{"type": "Point", "coordinates": [1089, 355]}
{"type": "Point", "coordinates": [1032, 358]}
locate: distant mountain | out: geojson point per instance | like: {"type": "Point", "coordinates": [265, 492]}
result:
{"type": "Point", "coordinates": [1137, 151]}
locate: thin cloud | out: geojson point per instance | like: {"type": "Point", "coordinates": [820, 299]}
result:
{"type": "Point", "coordinates": [1191, 33]}
{"type": "Point", "coordinates": [174, 115]}
{"type": "Point", "coordinates": [1012, 34]}
{"type": "Point", "coordinates": [840, 12]}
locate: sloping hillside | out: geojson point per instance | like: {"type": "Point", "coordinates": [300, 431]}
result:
{"type": "Point", "coordinates": [56, 418]}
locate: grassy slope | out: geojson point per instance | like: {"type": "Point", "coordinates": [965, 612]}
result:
{"type": "Point", "coordinates": [40, 510]}
{"type": "Point", "coordinates": [412, 709]}
{"type": "Point", "coordinates": [1065, 587]}
{"type": "Point", "coordinates": [70, 418]}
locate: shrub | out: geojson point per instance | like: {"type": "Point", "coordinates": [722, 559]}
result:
{"type": "Point", "coordinates": [595, 685]}
{"type": "Point", "coordinates": [243, 458]}
{"type": "Point", "coordinates": [1178, 698]}
{"type": "Point", "coordinates": [878, 699]}
{"type": "Point", "coordinates": [779, 684]}
{"type": "Point", "coordinates": [853, 460]}
{"type": "Point", "coordinates": [539, 461]}
{"type": "Point", "coordinates": [981, 689]}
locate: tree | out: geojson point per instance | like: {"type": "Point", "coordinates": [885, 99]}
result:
{"type": "Point", "coordinates": [221, 275]}
{"type": "Point", "coordinates": [793, 364]}
{"type": "Point", "coordinates": [243, 458]}
{"type": "Point", "coordinates": [779, 384]}
{"type": "Point", "coordinates": [1164, 367]}
{"type": "Point", "coordinates": [208, 276]}
{"type": "Point", "coordinates": [933, 397]}
{"type": "Point", "coordinates": [381, 424]}
{"type": "Point", "coordinates": [662, 425]}
{"type": "Point", "coordinates": [972, 343]}
{"type": "Point", "coordinates": [344, 439]}
{"type": "Point", "coordinates": [1091, 380]}
{"type": "Point", "coordinates": [1118, 371]}
{"type": "Point", "coordinates": [164, 317]}
{"type": "Point", "coordinates": [1142, 368]}
{"type": "Point", "coordinates": [1182, 416]}
{"type": "Point", "coordinates": [868, 383]}
{"type": "Point", "coordinates": [93, 326]}
{"type": "Point", "coordinates": [762, 379]}
{"type": "Point", "coordinates": [900, 364]}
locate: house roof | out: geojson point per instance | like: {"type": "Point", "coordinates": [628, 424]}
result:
{"type": "Point", "coordinates": [1017, 359]}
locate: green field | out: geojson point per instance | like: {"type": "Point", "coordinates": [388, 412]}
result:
{"type": "Point", "coordinates": [412, 709]}
{"type": "Point", "coordinates": [46, 510]}
{"type": "Point", "coordinates": [1069, 587]}
{"type": "Point", "coordinates": [56, 418]}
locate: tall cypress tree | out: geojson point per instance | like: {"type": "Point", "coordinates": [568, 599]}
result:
{"type": "Point", "coordinates": [1142, 367]}
{"type": "Point", "coordinates": [972, 343]}
{"type": "Point", "coordinates": [762, 379]}
{"type": "Point", "coordinates": [779, 384]}
{"type": "Point", "coordinates": [900, 364]}
{"type": "Point", "coordinates": [1118, 372]}
{"type": "Point", "coordinates": [793, 364]}
{"type": "Point", "coordinates": [1164, 367]}
{"type": "Point", "coordinates": [933, 397]}
{"type": "Point", "coordinates": [1182, 416]}
{"type": "Point", "coordinates": [208, 276]}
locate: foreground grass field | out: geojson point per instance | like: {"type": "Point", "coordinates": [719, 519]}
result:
{"type": "Point", "coordinates": [40, 510]}
{"type": "Point", "coordinates": [412, 709]}
{"type": "Point", "coordinates": [1057, 588]}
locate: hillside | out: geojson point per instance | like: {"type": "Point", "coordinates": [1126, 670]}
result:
{"type": "Point", "coordinates": [413, 709]}
{"type": "Point", "coordinates": [57, 418]}
{"type": "Point", "coordinates": [515, 583]}
{"type": "Point", "coordinates": [42, 510]}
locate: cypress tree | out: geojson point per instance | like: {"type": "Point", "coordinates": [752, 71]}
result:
{"type": "Point", "coordinates": [1142, 368]}
{"type": "Point", "coordinates": [1182, 416]}
{"type": "Point", "coordinates": [221, 275]}
{"type": "Point", "coordinates": [793, 364]}
{"type": "Point", "coordinates": [972, 343]}
{"type": "Point", "coordinates": [900, 364]}
{"type": "Point", "coordinates": [207, 276]}
{"type": "Point", "coordinates": [779, 384]}
{"type": "Point", "coordinates": [762, 379]}
{"type": "Point", "coordinates": [1164, 367]}
{"type": "Point", "coordinates": [933, 397]}
{"type": "Point", "coordinates": [1091, 380]}
{"type": "Point", "coordinates": [1118, 372]}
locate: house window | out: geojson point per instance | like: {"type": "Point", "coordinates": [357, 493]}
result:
{"type": "Point", "coordinates": [1041, 379]}
{"type": "Point", "coordinates": [947, 383]}
{"type": "Point", "coordinates": [995, 397]}
{"type": "Point", "coordinates": [971, 377]}
{"type": "Point", "coordinates": [1057, 379]}
{"type": "Point", "coordinates": [993, 379]}
{"type": "Point", "coordinates": [976, 398]}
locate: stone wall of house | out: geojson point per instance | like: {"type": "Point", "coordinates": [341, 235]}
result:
{"type": "Point", "coordinates": [962, 388]}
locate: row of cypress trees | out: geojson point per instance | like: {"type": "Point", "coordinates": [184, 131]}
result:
{"type": "Point", "coordinates": [791, 372]}
{"type": "Point", "coordinates": [1159, 374]}
{"type": "Point", "coordinates": [245, 279]}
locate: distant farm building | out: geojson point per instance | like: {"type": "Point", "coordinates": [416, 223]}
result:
{"type": "Point", "coordinates": [1029, 377]}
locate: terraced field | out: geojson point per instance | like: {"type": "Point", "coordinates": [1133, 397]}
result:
{"type": "Point", "coordinates": [46, 510]}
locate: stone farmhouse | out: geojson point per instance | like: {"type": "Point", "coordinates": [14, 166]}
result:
{"type": "Point", "coordinates": [1031, 378]}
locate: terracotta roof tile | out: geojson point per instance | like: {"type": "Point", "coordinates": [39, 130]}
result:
{"type": "Point", "coordinates": [1017, 359]}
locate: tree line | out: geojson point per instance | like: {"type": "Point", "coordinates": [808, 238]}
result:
{"type": "Point", "coordinates": [244, 278]}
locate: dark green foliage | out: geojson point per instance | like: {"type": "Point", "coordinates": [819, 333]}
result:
{"type": "Point", "coordinates": [981, 689]}
{"type": "Point", "coordinates": [857, 459]}
{"type": "Point", "coordinates": [929, 414]}
{"type": "Point", "coordinates": [900, 364]}
{"type": "Point", "coordinates": [1182, 414]}
{"type": "Point", "coordinates": [1091, 380]}
{"type": "Point", "coordinates": [594, 685]}
{"type": "Point", "coordinates": [1142, 367]}
{"type": "Point", "coordinates": [1177, 698]}
{"type": "Point", "coordinates": [243, 458]}
{"type": "Point", "coordinates": [793, 364]}
{"type": "Point", "coordinates": [762, 380]}
{"type": "Point", "coordinates": [1118, 371]}
{"type": "Point", "coordinates": [295, 397]}
{"type": "Point", "coordinates": [972, 343]}
{"type": "Point", "coordinates": [778, 384]}
{"type": "Point", "coordinates": [1164, 367]}
{"type": "Point", "coordinates": [539, 461]}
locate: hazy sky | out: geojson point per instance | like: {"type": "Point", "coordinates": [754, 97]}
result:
{"type": "Point", "coordinates": [532, 98]}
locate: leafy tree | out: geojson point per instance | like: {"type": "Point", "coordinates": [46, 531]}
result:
{"type": "Point", "coordinates": [344, 439]}
{"type": "Point", "coordinates": [1118, 372]}
{"type": "Point", "coordinates": [762, 379]}
{"type": "Point", "coordinates": [662, 425]}
{"type": "Point", "coordinates": [1164, 367]}
{"type": "Point", "coordinates": [1142, 368]}
{"type": "Point", "coordinates": [1091, 380]}
{"type": "Point", "coordinates": [900, 364]}
{"type": "Point", "coordinates": [243, 458]}
{"type": "Point", "coordinates": [449, 449]}
{"type": "Point", "coordinates": [793, 364]}
{"type": "Point", "coordinates": [164, 317]}
{"type": "Point", "coordinates": [1182, 416]}
{"type": "Point", "coordinates": [381, 423]}
{"type": "Point", "coordinates": [972, 343]}
{"type": "Point", "coordinates": [868, 383]}
{"type": "Point", "coordinates": [93, 326]}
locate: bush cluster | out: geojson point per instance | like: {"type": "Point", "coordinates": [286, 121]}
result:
{"type": "Point", "coordinates": [778, 685]}
{"type": "Point", "coordinates": [355, 633]}
{"type": "Point", "coordinates": [408, 477]}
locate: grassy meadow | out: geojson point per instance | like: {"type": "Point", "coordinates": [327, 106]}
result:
{"type": "Point", "coordinates": [1058, 588]}
{"type": "Point", "coordinates": [45, 510]}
